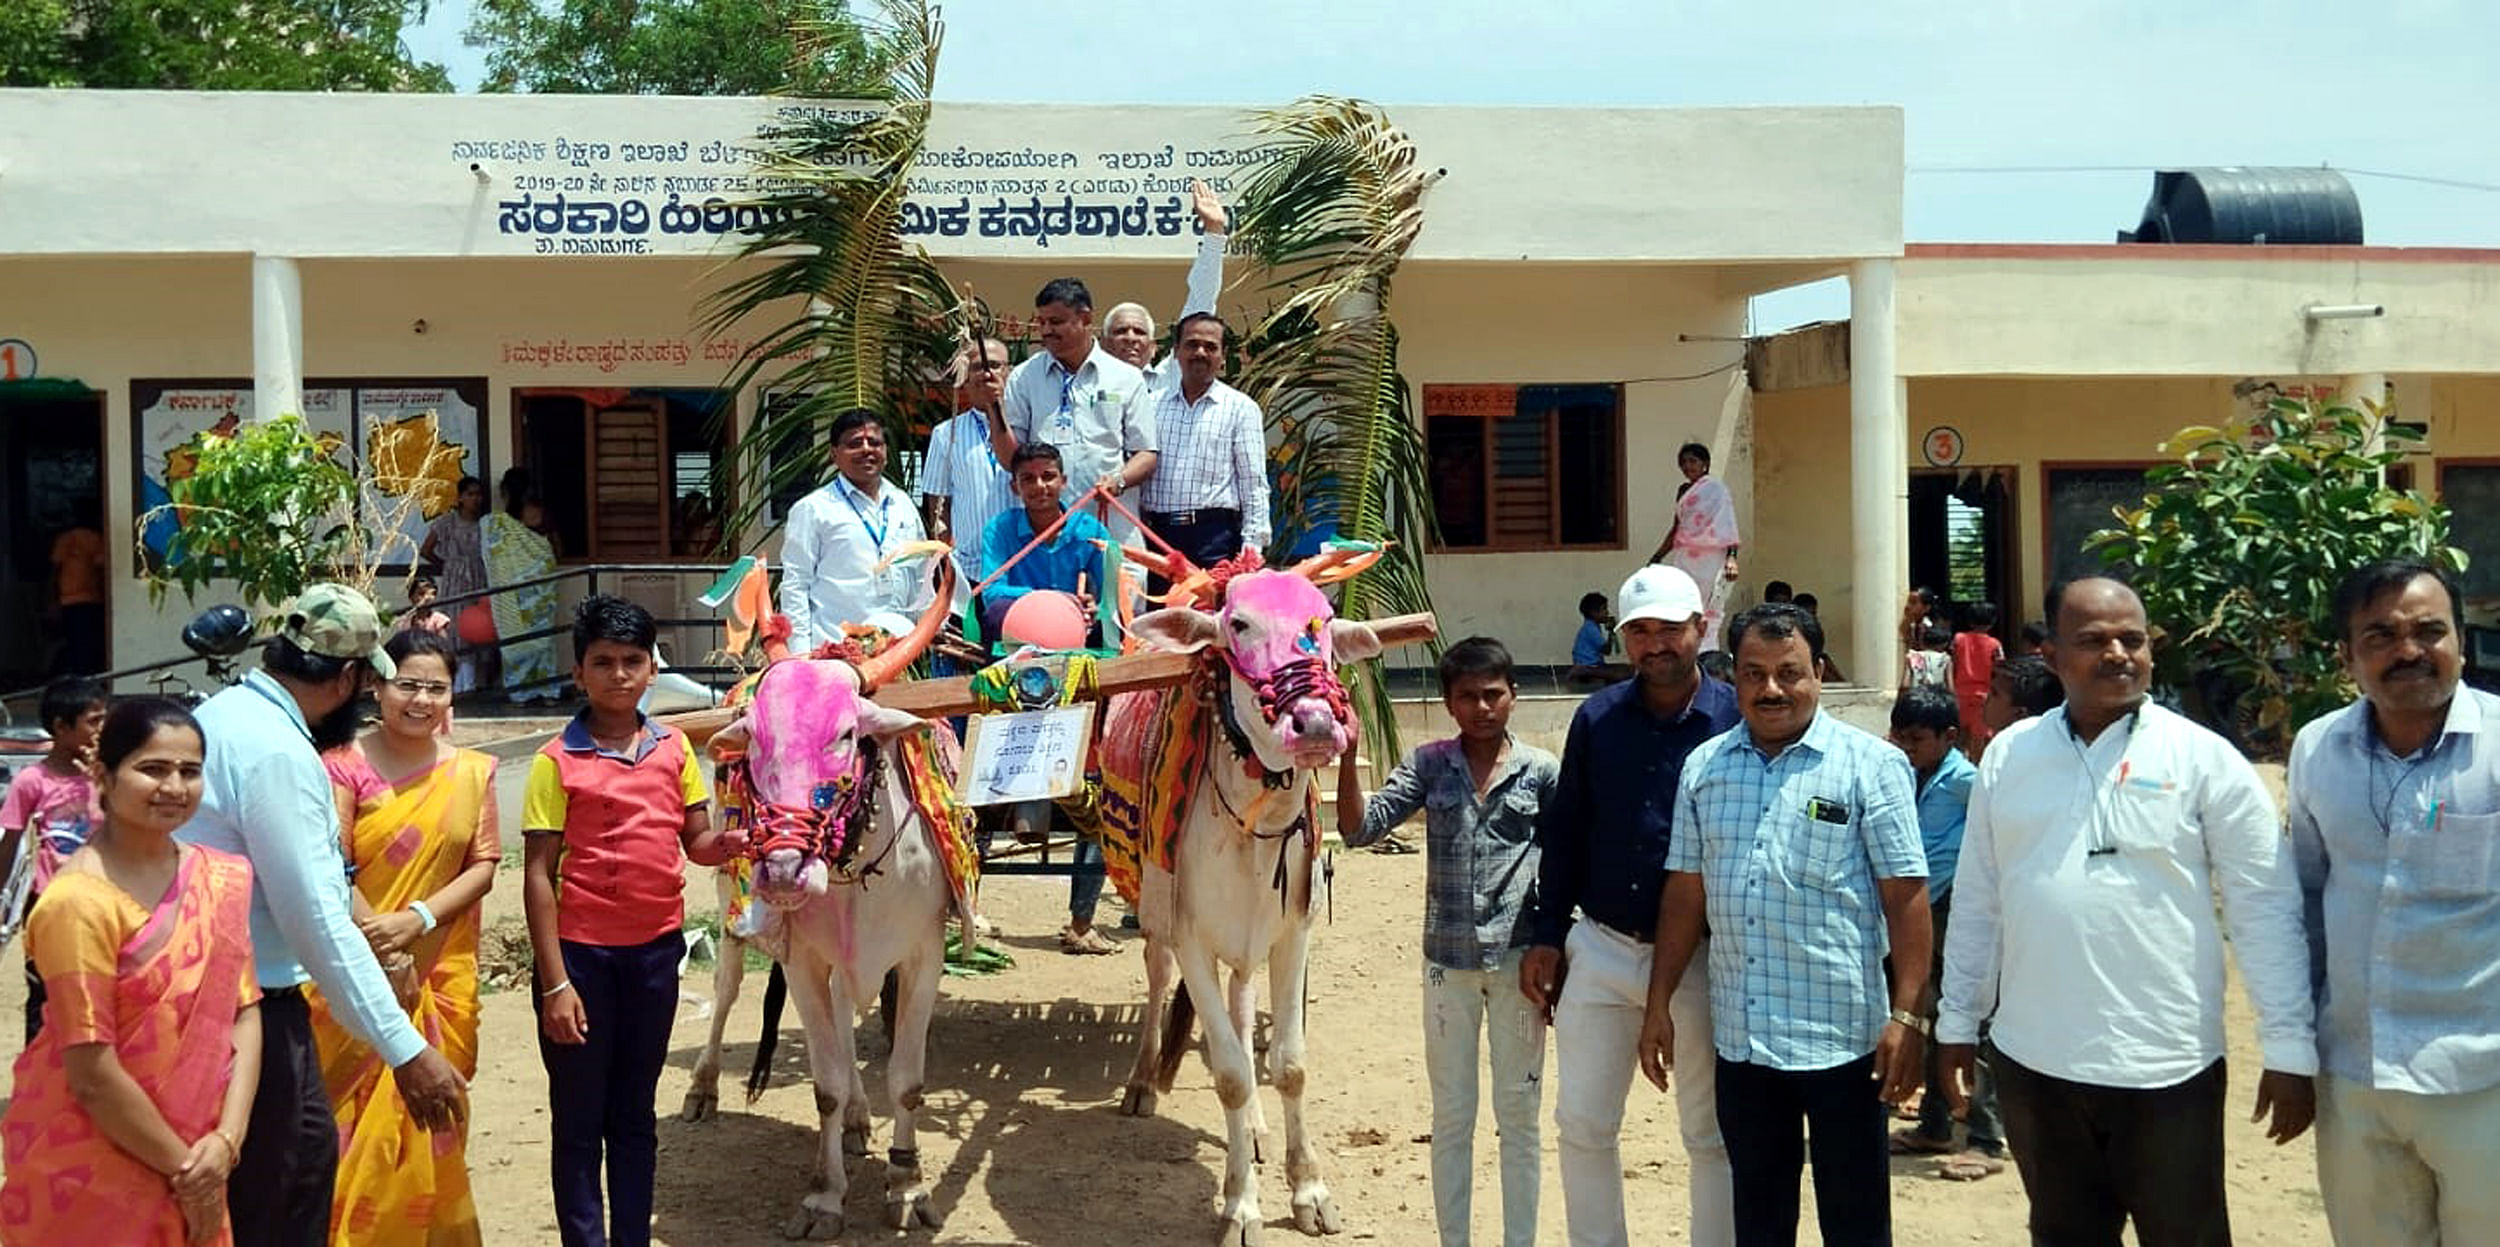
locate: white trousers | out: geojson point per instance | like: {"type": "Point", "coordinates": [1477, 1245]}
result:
{"type": "Point", "coordinates": [1597, 1038]}
{"type": "Point", "coordinates": [1458, 1006]}
{"type": "Point", "coordinates": [2398, 1167]}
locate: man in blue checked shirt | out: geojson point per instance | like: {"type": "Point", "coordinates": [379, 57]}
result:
{"type": "Point", "coordinates": [1797, 844]}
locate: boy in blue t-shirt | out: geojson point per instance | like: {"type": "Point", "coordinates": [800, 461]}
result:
{"type": "Point", "coordinates": [1596, 638]}
{"type": "Point", "coordinates": [1926, 725]}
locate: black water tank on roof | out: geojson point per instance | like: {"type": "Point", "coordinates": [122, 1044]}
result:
{"type": "Point", "coordinates": [2280, 206]}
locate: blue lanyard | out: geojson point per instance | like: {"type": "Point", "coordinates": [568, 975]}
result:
{"type": "Point", "coordinates": [849, 492]}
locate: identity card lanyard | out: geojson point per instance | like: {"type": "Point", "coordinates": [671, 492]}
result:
{"type": "Point", "coordinates": [877, 529]}
{"type": "Point", "coordinates": [2100, 840]}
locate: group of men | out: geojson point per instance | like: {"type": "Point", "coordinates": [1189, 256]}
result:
{"type": "Point", "coordinates": [1167, 442]}
{"type": "Point", "coordinates": [1730, 900]}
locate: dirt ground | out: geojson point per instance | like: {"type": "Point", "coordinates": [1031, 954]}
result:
{"type": "Point", "coordinates": [1024, 1143]}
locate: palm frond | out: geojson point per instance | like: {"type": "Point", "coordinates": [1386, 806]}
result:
{"type": "Point", "coordinates": [1327, 213]}
{"type": "Point", "coordinates": [851, 315]}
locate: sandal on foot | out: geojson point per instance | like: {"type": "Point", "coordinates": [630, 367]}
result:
{"type": "Point", "coordinates": [1912, 1143]}
{"type": "Point", "coordinates": [1087, 943]}
{"type": "Point", "coordinates": [1969, 1165]}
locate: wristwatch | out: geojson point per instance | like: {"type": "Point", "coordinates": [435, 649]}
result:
{"type": "Point", "coordinates": [1913, 1021]}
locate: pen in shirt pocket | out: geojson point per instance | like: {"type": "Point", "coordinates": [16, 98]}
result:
{"type": "Point", "coordinates": [2430, 821]}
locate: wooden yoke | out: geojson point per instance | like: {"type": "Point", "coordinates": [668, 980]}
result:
{"type": "Point", "coordinates": [946, 698]}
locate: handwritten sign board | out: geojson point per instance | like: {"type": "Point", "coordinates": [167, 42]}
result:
{"type": "Point", "coordinates": [1032, 756]}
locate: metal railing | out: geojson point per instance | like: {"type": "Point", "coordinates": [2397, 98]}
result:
{"type": "Point", "coordinates": [160, 673]}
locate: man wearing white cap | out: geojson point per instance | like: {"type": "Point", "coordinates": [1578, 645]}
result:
{"type": "Point", "coordinates": [1603, 838]}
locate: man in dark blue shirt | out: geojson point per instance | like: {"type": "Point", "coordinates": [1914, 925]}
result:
{"type": "Point", "coordinates": [1603, 838]}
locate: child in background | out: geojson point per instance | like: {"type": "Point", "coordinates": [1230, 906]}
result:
{"type": "Point", "coordinates": [2022, 687]}
{"type": "Point", "coordinates": [1825, 670]}
{"type": "Point", "coordinates": [614, 807]}
{"type": "Point", "coordinates": [1779, 591]}
{"type": "Point", "coordinates": [1596, 639]}
{"type": "Point", "coordinates": [421, 615]}
{"type": "Point", "coordinates": [1480, 792]}
{"type": "Point", "coordinates": [1930, 665]}
{"type": "Point", "coordinates": [1926, 726]}
{"type": "Point", "coordinates": [53, 804]}
{"type": "Point", "coordinates": [2035, 639]}
{"type": "Point", "coordinates": [1976, 653]}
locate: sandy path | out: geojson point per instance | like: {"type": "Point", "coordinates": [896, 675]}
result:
{"type": "Point", "coordinates": [1024, 1143]}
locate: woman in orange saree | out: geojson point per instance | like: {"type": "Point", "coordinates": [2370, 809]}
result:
{"type": "Point", "coordinates": [420, 829]}
{"type": "Point", "coordinates": [130, 1106]}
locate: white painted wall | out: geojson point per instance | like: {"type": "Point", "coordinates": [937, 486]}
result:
{"type": "Point", "coordinates": [111, 321]}
{"type": "Point", "coordinates": [105, 172]}
{"type": "Point", "coordinates": [2153, 311]}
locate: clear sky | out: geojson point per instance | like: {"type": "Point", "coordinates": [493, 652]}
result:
{"type": "Point", "coordinates": [2113, 87]}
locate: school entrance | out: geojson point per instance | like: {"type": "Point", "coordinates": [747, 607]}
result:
{"type": "Point", "coordinates": [1962, 539]}
{"type": "Point", "coordinates": [52, 446]}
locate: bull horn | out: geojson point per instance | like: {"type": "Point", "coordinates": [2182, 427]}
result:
{"type": "Point", "coordinates": [899, 654]}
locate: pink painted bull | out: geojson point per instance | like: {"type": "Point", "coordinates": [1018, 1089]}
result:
{"type": "Point", "coordinates": [851, 875]}
{"type": "Point", "coordinates": [1242, 892]}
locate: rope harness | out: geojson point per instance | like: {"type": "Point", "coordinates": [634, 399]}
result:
{"type": "Point", "coordinates": [828, 827]}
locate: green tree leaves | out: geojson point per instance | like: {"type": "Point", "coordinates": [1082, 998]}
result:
{"type": "Point", "coordinates": [2239, 545]}
{"type": "Point", "coordinates": [214, 45]}
{"type": "Point", "coordinates": [679, 47]}
{"type": "Point", "coordinates": [270, 508]}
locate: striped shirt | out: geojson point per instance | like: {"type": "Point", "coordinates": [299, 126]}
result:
{"type": "Point", "coordinates": [963, 469]}
{"type": "Point", "coordinates": [1213, 454]}
{"type": "Point", "coordinates": [1480, 856]}
{"type": "Point", "coordinates": [1789, 850]}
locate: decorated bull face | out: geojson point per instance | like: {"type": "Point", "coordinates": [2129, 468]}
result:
{"type": "Point", "coordinates": [1282, 642]}
{"type": "Point", "coordinates": [810, 791]}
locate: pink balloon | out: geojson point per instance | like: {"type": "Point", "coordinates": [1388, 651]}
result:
{"type": "Point", "coordinates": [1045, 618]}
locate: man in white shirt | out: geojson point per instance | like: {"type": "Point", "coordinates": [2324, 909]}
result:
{"type": "Point", "coordinates": [962, 483]}
{"type": "Point", "coordinates": [837, 543]}
{"type": "Point", "coordinates": [2083, 923]}
{"type": "Point", "coordinates": [1128, 330]}
{"type": "Point", "coordinates": [1208, 496]}
{"type": "Point", "coordinates": [2395, 819]}
{"type": "Point", "coordinates": [1077, 397]}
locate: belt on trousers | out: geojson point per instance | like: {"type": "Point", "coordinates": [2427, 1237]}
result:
{"type": "Point", "coordinates": [1203, 515]}
{"type": "Point", "coordinates": [1636, 937]}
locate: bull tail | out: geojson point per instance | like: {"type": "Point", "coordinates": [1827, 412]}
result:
{"type": "Point", "coordinates": [776, 994]}
{"type": "Point", "coordinates": [1176, 1024]}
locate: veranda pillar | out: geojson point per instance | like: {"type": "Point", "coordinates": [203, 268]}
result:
{"type": "Point", "coordinates": [1879, 474]}
{"type": "Point", "coordinates": [277, 338]}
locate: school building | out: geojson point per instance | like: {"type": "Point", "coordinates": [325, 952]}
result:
{"type": "Point", "coordinates": [531, 270]}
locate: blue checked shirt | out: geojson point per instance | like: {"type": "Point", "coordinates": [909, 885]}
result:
{"type": "Point", "coordinates": [1480, 857]}
{"type": "Point", "coordinates": [1789, 849]}
{"type": "Point", "coordinates": [2399, 862]}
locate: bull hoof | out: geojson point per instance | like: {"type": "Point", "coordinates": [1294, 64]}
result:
{"type": "Point", "coordinates": [854, 1142]}
{"type": "Point", "coordinates": [813, 1224]}
{"type": "Point", "coordinates": [902, 1212]}
{"type": "Point", "coordinates": [1242, 1229]}
{"type": "Point", "coordinates": [701, 1105]}
{"type": "Point", "coordinates": [1315, 1213]}
{"type": "Point", "coordinates": [1138, 1101]}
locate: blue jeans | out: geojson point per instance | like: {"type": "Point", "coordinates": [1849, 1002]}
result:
{"type": "Point", "coordinates": [600, 1092]}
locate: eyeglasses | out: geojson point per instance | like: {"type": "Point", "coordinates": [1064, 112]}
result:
{"type": "Point", "coordinates": [421, 688]}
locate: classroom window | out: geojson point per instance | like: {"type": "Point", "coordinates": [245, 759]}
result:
{"type": "Point", "coordinates": [1526, 467]}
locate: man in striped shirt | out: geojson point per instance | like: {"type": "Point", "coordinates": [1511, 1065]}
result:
{"type": "Point", "coordinates": [1208, 496]}
{"type": "Point", "coordinates": [963, 486]}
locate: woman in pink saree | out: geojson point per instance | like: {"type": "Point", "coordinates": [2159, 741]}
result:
{"type": "Point", "coordinates": [1702, 541]}
{"type": "Point", "coordinates": [130, 1107]}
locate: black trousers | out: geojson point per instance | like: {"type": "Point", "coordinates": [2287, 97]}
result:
{"type": "Point", "coordinates": [600, 1091]}
{"type": "Point", "coordinates": [1208, 536]}
{"type": "Point", "coordinates": [279, 1192]}
{"type": "Point", "coordinates": [1766, 1116]}
{"type": "Point", "coordinates": [2092, 1157]}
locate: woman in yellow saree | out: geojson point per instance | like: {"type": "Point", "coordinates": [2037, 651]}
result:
{"type": "Point", "coordinates": [420, 829]}
{"type": "Point", "coordinates": [129, 1108]}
